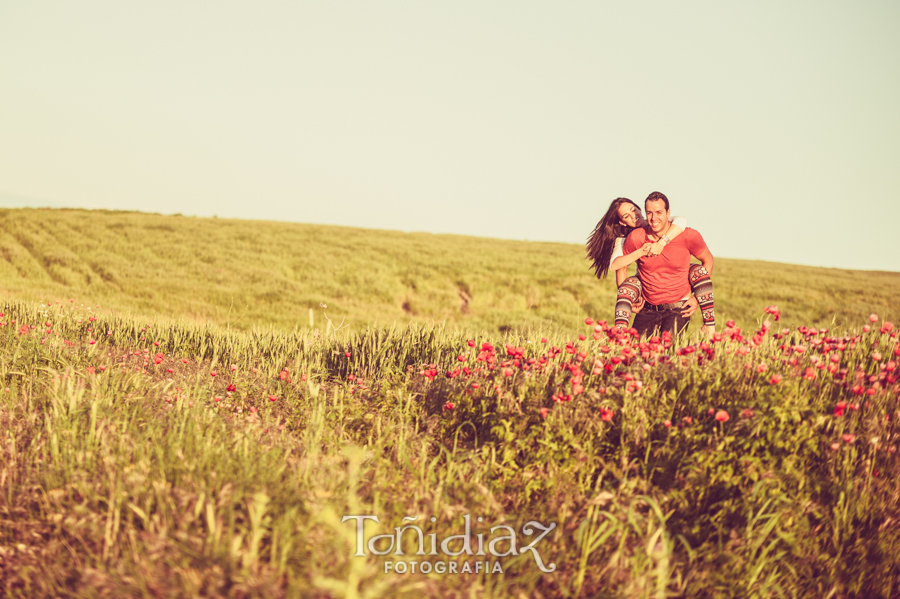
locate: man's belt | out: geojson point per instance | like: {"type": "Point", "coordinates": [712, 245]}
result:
{"type": "Point", "coordinates": [663, 307]}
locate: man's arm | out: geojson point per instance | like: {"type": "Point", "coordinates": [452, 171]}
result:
{"type": "Point", "coordinates": [635, 247]}
{"type": "Point", "coordinates": [706, 258]}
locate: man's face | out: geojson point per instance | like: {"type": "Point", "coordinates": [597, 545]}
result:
{"type": "Point", "coordinates": [657, 215]}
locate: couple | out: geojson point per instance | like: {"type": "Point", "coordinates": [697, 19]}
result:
{"type": "Point", "coordinates": [668, 288]}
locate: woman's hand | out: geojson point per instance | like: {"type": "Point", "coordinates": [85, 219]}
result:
{"type": "Point", "coordinates": [645, 249]}
{"type": "Point", "coordinates": [656, 248]}
{"type": "Point", "coordinates": [622, 262]}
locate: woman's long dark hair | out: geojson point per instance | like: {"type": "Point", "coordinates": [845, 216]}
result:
{"type": "Point", "coordinates": [602, 241]}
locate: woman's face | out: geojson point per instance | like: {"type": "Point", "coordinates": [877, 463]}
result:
{"type": "Point", "coordinates": [630, 215]}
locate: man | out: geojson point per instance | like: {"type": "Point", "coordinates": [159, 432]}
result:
{"type": "Point", "coordinates": [669, 303]}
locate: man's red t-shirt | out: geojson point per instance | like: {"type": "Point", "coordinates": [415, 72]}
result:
{"type": "Point", "coordinates": [664, 278]}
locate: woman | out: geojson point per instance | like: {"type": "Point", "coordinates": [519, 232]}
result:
{"type": "Point", "coordinates": [604, 249]}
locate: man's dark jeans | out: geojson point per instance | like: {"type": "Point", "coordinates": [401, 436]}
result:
{"type": "Point", "coordinates": [647, 320]}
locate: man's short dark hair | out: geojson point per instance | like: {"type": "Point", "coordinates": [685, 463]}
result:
{"type": "Point", "coordinates": [656, 196]}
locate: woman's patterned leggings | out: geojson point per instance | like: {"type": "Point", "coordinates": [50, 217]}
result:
{"type": "Point", "coordinates": [701, 286]}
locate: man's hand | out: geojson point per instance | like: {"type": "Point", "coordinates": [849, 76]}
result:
{"type": "Point", "coordinates": [638, 305]}
{"type": "Point", "coordinates": [689, 307]}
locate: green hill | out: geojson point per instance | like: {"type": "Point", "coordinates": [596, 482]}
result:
{"type": "Point", "coordinates": [144, 457]}
{"type": "Point", "coordinates": [253, 273]}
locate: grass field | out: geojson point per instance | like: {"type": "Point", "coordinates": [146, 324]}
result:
{"type": "Point", "coordinates": [247, 274]}
{"type": "Point", "coordinates": [146, 457]}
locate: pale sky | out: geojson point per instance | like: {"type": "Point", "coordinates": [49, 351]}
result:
{"type": "Point", "coordinates": [774, 127]}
